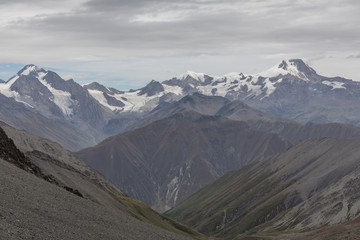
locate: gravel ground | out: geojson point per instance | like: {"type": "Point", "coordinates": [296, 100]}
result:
{"type": "Point", "coordinates": [31, 208]}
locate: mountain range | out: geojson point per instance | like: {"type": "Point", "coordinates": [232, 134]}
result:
{"type": "Point", "coordinates": [290, 89]}
{"type": "Point", "coordinates": [90, 113]}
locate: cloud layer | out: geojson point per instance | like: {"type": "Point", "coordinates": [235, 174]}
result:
{"type": "Point", "coordinates": [211, 35]}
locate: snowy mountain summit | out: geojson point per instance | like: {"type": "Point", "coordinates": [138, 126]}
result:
{"type": "Point", "coordinates": [33, 86]}
{"type": "Point", "coordinates": [290, 89]}
{"type": "Point", "coordinates": [294, 67]}
{"type": "Point", "coordinates": [49, 94]}
{"type": "Point", "coordinates": [232, 85]}
{"type": "Point", "coordinates": [30, 69]}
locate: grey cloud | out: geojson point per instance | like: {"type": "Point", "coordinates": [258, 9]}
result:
{"type": "Point", "coordinates": [203, 30]}
{"type": "Point", "coordinates": [7, 2]}
{"type": "Point", "coordinates": [353, 56]}
{"type": "Point", "coordinates": [101, 29]}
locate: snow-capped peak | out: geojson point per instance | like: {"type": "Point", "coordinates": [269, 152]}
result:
{"type": "Point", "coordinates": [233, 75]}
{"type": "Point", "coordinates": [30, 69]}
{"type": "Point", "coordinates": [295, 67]}
{"type": "Point", "coordinates": [197, 76]}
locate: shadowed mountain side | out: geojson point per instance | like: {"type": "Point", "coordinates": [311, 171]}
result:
{"type": "Point", "coordinates": [287, 129]}
{"type": "Point", "coordinates": [48, 160]}
{"type": "Point", "coordinates": [168, 160]}
{"type": "Point", "coordinates": [61, 131]}
{"type": "Point", "coordinates": [196, 102]}
{"type": "Point", "coordinates": [313, 184]}
{"type": "Point", "coordinates": [237, 110]}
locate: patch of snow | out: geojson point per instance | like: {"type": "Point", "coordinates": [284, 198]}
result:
{"type": "Point", "coordinates": [12, 80]}
{"type": "Point", "coordinates": [5, 87]}
{"type": "Point", "coordinates": [232, 76]}
{"type": "Point", "coordinates": [25, 103]}
{"type": "Point", "coordinates": [226, 83]}
{"type": "Point", "coordinates": [137, 103]}
{"type": "Point", "coordinates": [207, 90]}
{"type": "Point", "coordinates": [29, 69]}
{"type": "Point", "coordinates": [270, 86]}
{"type": "Point", "coordinates": [173, 89]}
{"type": "Point", "coordinates": [61, 99]}
{"type": "Point", "coordinates": [133, 102]}
{"type": "Point", "coordinates": [334, 84]}
{"type": "Point", "coordinates": [99, 96]}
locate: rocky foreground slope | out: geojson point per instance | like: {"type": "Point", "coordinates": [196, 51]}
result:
{"type": "Point", "coordinates": [47, 193]}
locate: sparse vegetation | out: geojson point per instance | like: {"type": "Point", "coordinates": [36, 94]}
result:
{"type": "Point", "coordinates": [257, 201]}
{"type": "Point", "coordinates": [144, 213]}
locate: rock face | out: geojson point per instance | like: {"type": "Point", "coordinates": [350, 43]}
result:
{"type": "Point", "coordinates": [152, 89]}
{"type": "Point", "coordinates": [85, 202]}
{"type": "Point", "coordinates": [314, 183]}
{"type": "Point", "coordinates": [169, 159]}
{"type": "Point", "coordinates": [10, 153]}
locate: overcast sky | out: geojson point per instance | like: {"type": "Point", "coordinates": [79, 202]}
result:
{"type": "Point", "coordinates": [127, 43]}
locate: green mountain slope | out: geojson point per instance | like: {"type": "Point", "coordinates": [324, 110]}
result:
{"type": "Point", "coordinates": [314, 183]}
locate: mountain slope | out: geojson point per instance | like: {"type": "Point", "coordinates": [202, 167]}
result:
{"type": "Point", "coordinates": [61, 131]}
{"type": "Point", "coordinates": [43, 211]}
{"type": "Point", "coordinates": [166, 161]}
{"type": "Point", "coordinates": [56, 165]}
{"type": "Point", "coordinates": [314, 183]}
{"type": "Point", "coordinates": [349, 230]}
